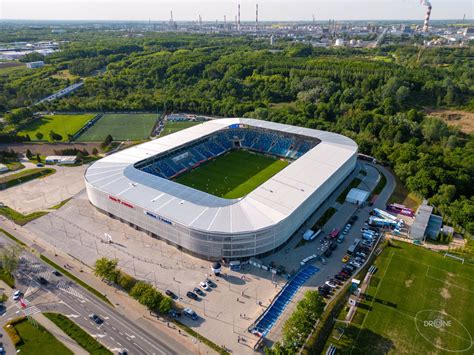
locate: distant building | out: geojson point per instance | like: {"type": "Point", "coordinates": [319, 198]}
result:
{"type": "Point", "coordinates": [61, 159]}
{"type": "Point", "coordinates": [339, 42]}
{"type": "Point", "coordinates": [426, 224]}
{"type": "Point", "coordinates": [34, 65]}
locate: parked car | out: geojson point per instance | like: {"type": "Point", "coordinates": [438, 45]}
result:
{"type": "Point", "coordinates": [171, 294]}
{"type": "Point", "coordinates": [57, 273]}
{"type": "Point", "coordinates": [198, 291]}
{"type": "Point", "coordinates": [211, 283]}
{"type": "Point", "coordinates": [355, 264]}
{"type": "Point", "coordinates": [174, 313]}
{"type": "Point", "coordinates": [42, 280]}
{"type": "Point", "coordinates": [204, 285]}
{"type": "Point", "coordinates": [349, 267]}
{"type": "Point", "coordinates": [94, 317]}
{"type": "Point", "coordinates": [192, 295]}
{"type": "Point", "coordinates": [336, 281]}
{"type": "Point", "coordinates": [330, 284]}
{"type": "Point", "coordinates": [340, 239]}
{"type": "Point", "coordinates": [333, 246]}
{"type": "Point", "coordinates": [339, 277]}
{"type": "Point", "coordinates": [361, 254]}
{"type": "Point", "coordinates": [353, 219]}
{"type": "Point", "coordinates": [345, 258]}
{"type": "Point", "coordinates": [328, 253]}
{"type": "Point", "coordinates": [188, 312]}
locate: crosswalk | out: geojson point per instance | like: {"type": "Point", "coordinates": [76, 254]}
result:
{"type": "Point", "coordinates": [41, 270]}
{"type": "Point", "coordinates": [31, 311]}
{"type": "Point", "coordinates": [66, 287]}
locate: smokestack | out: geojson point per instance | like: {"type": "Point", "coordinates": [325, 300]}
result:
{"type": "Point", "coordinates": [225, 20]}
{"type": "Point", "coordinates": [314, 19]}
{"type": "Point", "coordinates": [256, 16]}
{"type": "Point", "coordinates": [200, 21]}
{"type": "Point", "coordinates": [428, 14]}
{"type": "Point", "coordinates": [238, 18]}
{"type": "Point", "coordinates": [171, 18]}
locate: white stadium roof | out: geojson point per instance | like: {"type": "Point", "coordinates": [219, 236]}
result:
{"type": "Point", "coordinates": [263, 207]}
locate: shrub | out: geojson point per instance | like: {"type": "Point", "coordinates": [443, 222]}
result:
{"type": "Point", "coordinates": [11, 331]}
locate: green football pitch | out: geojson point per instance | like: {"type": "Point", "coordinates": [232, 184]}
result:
{"type": "Point", "coordinates": [418, 302]}
{"type": "Point", "coordinates": [61, 124]}
{"type": "Point", "coordinates": [122, 127]}
{"type": "Point", "coordinates": [232, 175]}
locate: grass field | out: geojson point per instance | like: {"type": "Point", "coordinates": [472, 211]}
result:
{"type": "Point", "coordinates": [8, 67]}
{"type": "Point", "coordinates": [172, 127]}
{"type": "Point", "coordinates": [122, 127]}
{"type": "Point", "coordinates": [36, 340]}
{"type": "Point", "coordinates": [61, 124]}
{"type": "Point", "coordinates": [232, 175]}
{"type": "Point", "coordinates": [418, 302]}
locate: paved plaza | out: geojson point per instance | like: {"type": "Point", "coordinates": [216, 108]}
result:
{"type": "Point", "coordinates": [41, 194]}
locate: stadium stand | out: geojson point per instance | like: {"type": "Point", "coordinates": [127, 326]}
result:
{"type": "Point", "coordinates": [263, 141]}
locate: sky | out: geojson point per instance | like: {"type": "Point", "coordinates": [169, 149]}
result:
{"type": "Point", "coordinates": [210, 10]}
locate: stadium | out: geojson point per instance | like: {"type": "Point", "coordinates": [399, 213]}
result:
{"type": "Point", "coordinates": [227, 188]}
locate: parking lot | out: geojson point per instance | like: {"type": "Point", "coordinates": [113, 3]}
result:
{"type": "Point", "coordinates": [224, 312]}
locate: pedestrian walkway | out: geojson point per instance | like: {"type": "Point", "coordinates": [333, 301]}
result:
{"type": "Point", "coordinates": [271, 315]}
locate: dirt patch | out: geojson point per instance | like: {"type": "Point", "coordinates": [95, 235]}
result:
{"type": "Point", "coordinates": [408, 283]}
{"type": "Point", "coordinates": [445, 293]}
{"type": "Point", "coordinates": [48, 148]}
{"type": "Point", "coordinates": [462, 119]}
{"type": "Point", "coordinates": [10, 64]}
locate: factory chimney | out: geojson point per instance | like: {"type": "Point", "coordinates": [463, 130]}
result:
{"type": "Point", "coordinates": [256, 17]}
{"type": "Point", "coordinates": [428, 14]}
{"type": "Point", "coordinates": [238, 17]}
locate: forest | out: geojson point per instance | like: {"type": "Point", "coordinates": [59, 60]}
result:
{"type": "Point", "coordinates": [378, 97]}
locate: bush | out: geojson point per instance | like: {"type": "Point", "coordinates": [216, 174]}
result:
{"type": "Point", "coordinates": [126, 281]}
{"type": "Point", "coordinates": [11, 331]}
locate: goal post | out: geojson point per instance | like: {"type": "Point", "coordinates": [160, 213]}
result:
{"type": "Point", "coordinates": [454, 257]}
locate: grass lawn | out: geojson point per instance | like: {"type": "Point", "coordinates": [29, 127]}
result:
{"type": "Point", "coordinates": [418, 302]}
{"type": "Point", "coordinates": [20, 218]}
{"type": "Point", "coordinates": [36, 340]}
{"type": "Point", "coordinates": [78, 334]}
{"type": "Point", "coordinates": [7, 277]}
{"type": "Point", "coordinates": [122, 127]}
{"type": "Point", "coordinates": [61, 124]}
{"type": "Point", "coordinates": [172, 127]}
{"type": "Point", "coordinates": [403, 196]}
{"type": "Point", "coordinates": [24, 176]}
{"type": "Point", "coordinates": [232, 175]}
{"type": "Point", "coordinates": [8, 67]}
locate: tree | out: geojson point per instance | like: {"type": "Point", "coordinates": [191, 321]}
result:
{"type": "Point", "coordinates": [126, 281]}
{"type": "Point", "coordinates": [38, 158]}
{"type": "Point", "coordinates": [55, 136]}
{"type": "Point", "coordinates": [28, 154]}
{"type": "Point", "coordinates": [10, 257]}
{"type": "Point", "coordinates": [106, 269]}
{"type": "Point", "coordinates": [39, 135]}
{"type": "Point", "coordinates": [95, 151]}
{"type": "Point", "coordinates": [166, 305]}
{"type": "Point", "coordinates": [106, 141]}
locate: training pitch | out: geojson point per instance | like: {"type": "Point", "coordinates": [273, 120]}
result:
{"type": "Point", "coordinates": [232, 175]}
{"type": "Point", "coordinates": [418, 302]}
{"type": "Point", "coordinates": [173, 127]}
{"type": "Point", "coordinates": [60, 124]}
{"type": "Point", "coordinates": [122, 127]}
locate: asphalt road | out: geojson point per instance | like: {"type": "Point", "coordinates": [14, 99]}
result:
{"type": "Point", "coordinates": [63, 296]}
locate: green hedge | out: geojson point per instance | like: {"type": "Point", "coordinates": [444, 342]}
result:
{"type": "Point", "coordinates": [7, 277]}
{"type": "Point", "coordinates": [12, 237]}
{"type": "Point", "coordinates": [18, 217]}
{"type": "Point", "coordinates": [78, 334]}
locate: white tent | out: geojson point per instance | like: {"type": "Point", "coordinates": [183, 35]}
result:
{"type": "Point", "coordinates": [357, 196]}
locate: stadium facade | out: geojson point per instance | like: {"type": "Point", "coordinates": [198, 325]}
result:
{"type": "Point", "coordinates": [136, 186]}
